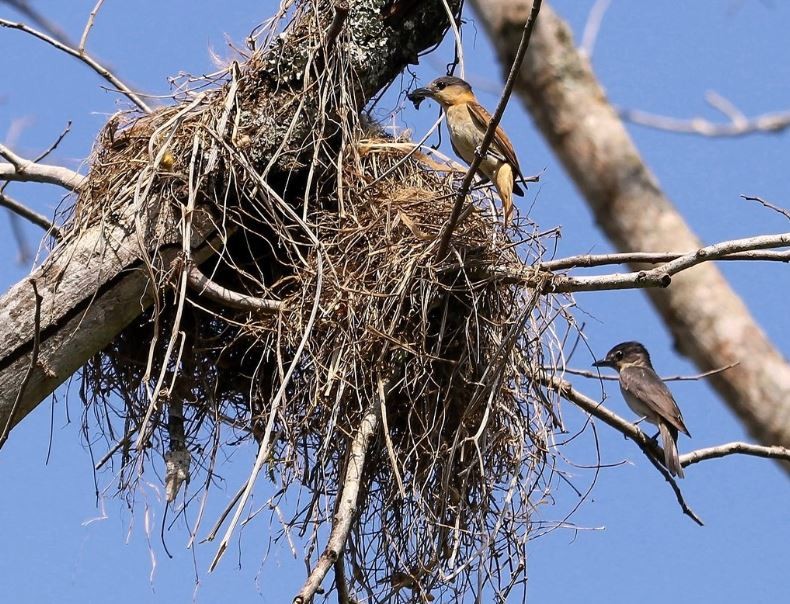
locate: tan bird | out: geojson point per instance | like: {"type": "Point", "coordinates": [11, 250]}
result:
{"type": "Point", "coordinates": [467, 122]}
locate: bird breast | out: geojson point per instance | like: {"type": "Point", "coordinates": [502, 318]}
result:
{"type": "Point", "coordinates": [466, 137]}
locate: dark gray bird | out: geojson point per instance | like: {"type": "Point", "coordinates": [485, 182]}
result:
{"type": "Point", "coordinates": [648, 396]}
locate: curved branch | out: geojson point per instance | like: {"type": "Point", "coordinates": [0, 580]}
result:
{"type": "Point", "coordinates": [20, 169]}
{"type": "Point", "coordinates": [85, 58]}
{"type": "Point", "coordinates": [769, 452]}
{"type": "Point", "coordinates": [204, 286]}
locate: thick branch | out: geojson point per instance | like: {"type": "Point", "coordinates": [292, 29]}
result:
{"type": "Point", "coordinates": [709, 321]}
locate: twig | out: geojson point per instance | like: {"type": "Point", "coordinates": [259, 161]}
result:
{"type": "Point", "coordinates": [347, 508]}
{"type": "Point", "coordinates": [768, 205]}
{"type": "Point", "coordinates": [480, 152]}
{"type": "Point", "coordinates": [28, 214]}
{"type": "Point", "coordinates": [673, 378]}
{"type": "Point", "coordinates": [84, 57]}
{"type": "Point", "coordinates": [33, 363]}
{"type": "Point", "coordinates": [89, 25]}
{"type": "Point", "coordinates": [23, 170]}
{"type": "Point", "coordinates": [648, 446]}
{"type": "Point", "coordinates": [769, 452]}
{"type": "Point", "coordinates": [768, 122]}
{"type": "Point", "coordinates": [593, 26]}
{"type": "Point", "coordinates": [204, 286]}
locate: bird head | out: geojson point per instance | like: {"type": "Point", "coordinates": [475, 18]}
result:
{"type": "Point", "coordinates": [625, 354]}
{"type": "Point", "coordinates": [446, 90]}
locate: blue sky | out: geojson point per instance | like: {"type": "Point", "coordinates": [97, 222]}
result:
{"type": "Point", "coordinates": [61, 547]}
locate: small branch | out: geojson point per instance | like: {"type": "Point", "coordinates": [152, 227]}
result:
{"type": "Point", "coordinates": [673, 378]}
{"type": "Point", "coordinates": [769, 452]}
{"type": "Point", "coordinates": [768, 205]}
{"type": "Point", "coordinates": [20, 169]}
{"type": "Point", "coordinates": [347, 508]}
{"type": "Point", "coordinates": [84, 57]}
{"type": "Point", "coordinates": [31, 368]}
{"type": "Point", "coordinates": [661, 276]}
{"type": "Point", "coordinates": [89, 25]}
{"type": "Point", "coordinates": [28, 214]}
{"type": "Point", "coordinates": [204, 286]}
{"type": "Point", "coordinates": [480, 153]}
{"type": "Point", "coordinates": [769, 122]}
{"type": "Point", "coordinates": [343, 596]}
{"type": "Point", "coordinates": [593, 26]}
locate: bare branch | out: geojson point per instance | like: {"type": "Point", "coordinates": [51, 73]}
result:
{"type": "Point", "coordinates": [661, 276]}
{"type": "Point", "coordinates": [31, 367]}
{"type": "Point", "coordinates": [592, 260]}
{"type": "Point", "coordinates": [28, 214]}
{"type": "Point", "coordinates": [346, 509]}
{"type": "Point", "coordinates": [770, 452]}
{"type": "Point", "coordinates": [480, 153]}
{"type": "Point", "coordinates": [89, 25]}
{"type": "Point", "coordinates": [204, 286]}
{"type": "Point", "coordinates": [23, 170]}
{"type": "Point", "coordinates": [596, 375]}
{"type": "Point", "coordinates": [593, 26]}
{"type": "Point", "coordinates": [85, 58]}
{"type": "Point", "coordinates": [768, 122]}
{"type": "Point", "coordinates": [768, 205]}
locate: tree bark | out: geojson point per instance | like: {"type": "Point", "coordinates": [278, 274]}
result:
{"type": "Point", "coordinates": [709, 322]}
{"type": "Point", "coordinates": [96, 284]}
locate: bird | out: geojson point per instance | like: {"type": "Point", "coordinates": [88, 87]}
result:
{"type": "Point", "coordinates": [648, 396]}
{"type": "Point", "coordinates": [467, 122]}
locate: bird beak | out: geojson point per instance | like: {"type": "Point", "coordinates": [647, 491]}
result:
{"type": "Point", "coordinates": [419, 95]}
{"type": "Point", "coordinates": [603, 363]}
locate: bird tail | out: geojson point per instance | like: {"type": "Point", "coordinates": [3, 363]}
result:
{"type": "Point", "coordinates": [669, 437]}
{"type": "Point", "coordinates": [504, 182]}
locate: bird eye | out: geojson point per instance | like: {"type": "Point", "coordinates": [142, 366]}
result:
{"type": "Point", "coordinates": [618, 355]}
{"type": "Point", "coordinates": [440, 85]}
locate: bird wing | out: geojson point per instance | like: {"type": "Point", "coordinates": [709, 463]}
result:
{"type": "Point", "coordinates": [501, 144]}
{"type": "Point", "coordinates": [644, 384]}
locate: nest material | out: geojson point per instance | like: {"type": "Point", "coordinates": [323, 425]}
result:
{"type": "Point", "coordinates": [370, 318]}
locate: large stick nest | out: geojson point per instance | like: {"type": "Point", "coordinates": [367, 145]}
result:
{"type": "Point", "coordinates": [366, 317]}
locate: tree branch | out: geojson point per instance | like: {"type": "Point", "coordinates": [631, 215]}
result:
{"type": "Point", "coordinates": [20, 169]}
{"type": "Point", "coordinates": [346, 509]}
{"type": "Point", "coordinates": [28, 214]}
{"type": "Point", "coordinates": [222, 295]}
